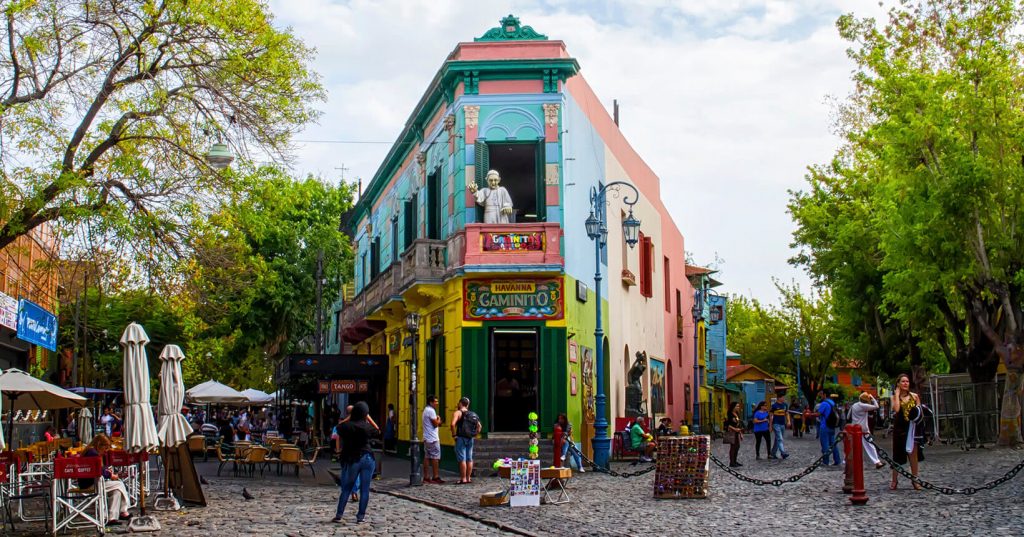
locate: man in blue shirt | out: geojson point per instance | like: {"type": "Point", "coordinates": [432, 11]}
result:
{"type": "Point", "coordinates": [780, 419]}
{"type": "Point", "coordinates": [826, 434]}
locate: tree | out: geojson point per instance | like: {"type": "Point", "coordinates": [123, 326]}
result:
{"type": "Point", "coordinates": [935, 158]}
{"type": "Point", "coordinates": [107, 108]}
{"type": "Point", "coordinates": [764, 335]}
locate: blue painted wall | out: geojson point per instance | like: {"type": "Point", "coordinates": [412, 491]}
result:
{"type": "Point", "coordinates": [716, 344]}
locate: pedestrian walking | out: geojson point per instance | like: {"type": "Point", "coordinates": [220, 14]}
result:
{"type": "Point", "coordinates": [733, 436]}
{"type": "Point", "coordinates": [356, 460]}
{"type": "Point", "coordinates": [465, 426]}
{"type": "Point", "coordinates": [780, 420]}
{"type": "Point", "coordinates": [761, 430]}
{"type": "Point", "coordinates": [431, 441]}
{"type": "Point", "coordinates": [906, 406]}
{"type": "Point", "coordinates": [796, 414]}
{"type": "Point", "coordinates": [859, 413]}
{"type": "Point", "coordinates": [828, 424]}
{"type": "Point", "coordinates": [568, 447]}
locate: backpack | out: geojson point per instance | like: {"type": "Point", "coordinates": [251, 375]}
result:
{"type": "Point", "coordinates": [469, 424]}
{"type": "Point", "coordinates": [832, 420]}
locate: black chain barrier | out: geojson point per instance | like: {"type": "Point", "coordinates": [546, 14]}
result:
{"type": "Point", "coordinates": [779, 482]}
{"type": "Point", "coordinates": [938, 488]}
{"type": "Point", "coordinates": [594, 467]}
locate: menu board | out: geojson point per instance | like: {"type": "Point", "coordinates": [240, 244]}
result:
{"type": "Point", "coordinates": [681, 470]}
{"type": "Point", "coordinates": [524, 487]}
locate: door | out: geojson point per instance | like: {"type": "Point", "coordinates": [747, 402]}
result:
{"type": "Point", "coordinates": [514, 376]}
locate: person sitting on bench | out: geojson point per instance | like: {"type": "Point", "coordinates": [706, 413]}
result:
{"type": "Point", "coordinates": [640, 441]}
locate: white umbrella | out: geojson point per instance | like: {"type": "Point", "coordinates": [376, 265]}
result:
{"type": "Point", "coordinates": [214, 392]}
{"type": "Point", "coordinates": [139, 427]}
{"type": "Point", "coordinates": [174, 428]}
{"type": "Point", "coordinates": [258, 397]}
{"type": "Point", "coordinates": [85, 425]}
{"type": "Point", "coordinates": [25, 392]}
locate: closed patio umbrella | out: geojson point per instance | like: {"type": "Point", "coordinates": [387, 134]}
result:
{"type": "Point", "coordinates": [85, 425]}
{"type": "Point", "coordinates": [139, 427]}
{"type": "Point", "coordinates": [174, 428]}
{"type": "Point", "coordinates": [25, 392]}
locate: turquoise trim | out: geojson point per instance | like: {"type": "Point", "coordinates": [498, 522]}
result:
{"type": "Point", "coordinates": [512, 268]}
{"type": "Point", "coordinates": [509, 98]}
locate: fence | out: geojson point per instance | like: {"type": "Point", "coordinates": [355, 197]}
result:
{"type": "Point", "coordinates": [965, 413]}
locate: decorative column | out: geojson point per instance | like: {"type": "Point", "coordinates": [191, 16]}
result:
{"type": "Point", "coordinates": [551, 135]}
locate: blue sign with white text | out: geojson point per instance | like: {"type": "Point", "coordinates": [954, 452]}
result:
{"type": "Point", "coordinates": [36, 325]}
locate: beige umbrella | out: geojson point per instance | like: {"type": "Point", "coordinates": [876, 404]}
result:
{"type": "Point", "coordinates": [25, 392]}
{"type": "Point", "coordinates": [258, 397]}
{"type": "Point", "coordinates": [85, 425]}
{"type": "Point", "coordinates": [213, 392]}
{"type": "Point", "coordinates": [174, 428]}
{"type": "Point", "coordinates": [139, 427]}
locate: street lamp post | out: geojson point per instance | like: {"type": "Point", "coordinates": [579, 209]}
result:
{"type": "Point", "coordinates": [702, 296]}
{"type": "Point", "coordinates": [412, 323]}
{"type": "Point", "coordinates": [597, 230]}
{"type": "Point", "coordinates": [796, 353]}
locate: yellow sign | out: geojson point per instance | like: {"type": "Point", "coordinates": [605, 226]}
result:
{"type": "Point", "coordinates": [509, 288]}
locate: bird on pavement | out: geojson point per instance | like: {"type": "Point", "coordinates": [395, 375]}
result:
{"type": "Point", "coordinates": [246, 495]}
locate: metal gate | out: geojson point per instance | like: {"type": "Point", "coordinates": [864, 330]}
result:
{"type": "Point", "coordinates": [966, 413]}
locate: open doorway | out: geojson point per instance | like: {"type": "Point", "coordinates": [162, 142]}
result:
{"type": "Point", "coordinates": [520, 165]}
{"type": "Point", "coordinates": [514, 374]}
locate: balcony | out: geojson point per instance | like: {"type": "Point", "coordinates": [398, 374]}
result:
{"type": "Point", "coordinates": [525, 247]}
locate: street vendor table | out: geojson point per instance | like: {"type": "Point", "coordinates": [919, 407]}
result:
{"type": "Point", "coordinates": [556, 482]}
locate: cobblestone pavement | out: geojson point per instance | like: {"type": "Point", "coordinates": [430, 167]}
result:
{"type": "Point", "coordinates": [605, 506]}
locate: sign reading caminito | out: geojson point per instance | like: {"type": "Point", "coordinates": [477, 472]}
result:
{"type": "Point", "coordinates": [518, 299]}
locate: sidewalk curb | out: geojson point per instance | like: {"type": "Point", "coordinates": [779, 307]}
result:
{"type": "Point", "coordinates": [455, 511]}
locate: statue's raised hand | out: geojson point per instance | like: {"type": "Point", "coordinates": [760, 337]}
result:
{"type": "Point", "coordinates": [472, 188]}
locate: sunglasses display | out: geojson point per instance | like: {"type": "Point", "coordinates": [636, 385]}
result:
{"type": "Point", "coordinates": [681, 470]}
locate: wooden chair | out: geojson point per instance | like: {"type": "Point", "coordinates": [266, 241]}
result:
{"type": "Point", "coordinates": [289, 455]}
{"type": "Point", "coordinates": [224, 459]}
{"type": "Point", "coordinates": [304, 462]}
{"type": "Point", "coordinates": [255, 456]}
{"type": "Point", "coordinates": [197, 446]}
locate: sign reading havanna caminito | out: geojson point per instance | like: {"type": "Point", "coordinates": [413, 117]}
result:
{"type": "Point", "coordinates": [513, 299]}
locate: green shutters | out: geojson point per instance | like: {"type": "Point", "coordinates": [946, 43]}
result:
{"type": "Point", "coordinates": [542, 210]}
{"type": "Point", "coordinates": [553, 375]}
{"type": "Point", "coordinates": [482, 163]}
{"type": "Point", "coordinates": [476, 373]}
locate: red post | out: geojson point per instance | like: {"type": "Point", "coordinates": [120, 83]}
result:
{"type": "Point", "coordinates": [556, 438]}
{"type": "Point", "coordinates": [847, 467]}
{"type": "Point", "coordinates": [856, 435]}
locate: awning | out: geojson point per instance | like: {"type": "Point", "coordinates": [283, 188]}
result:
{"type": "Point", "coordinates": [359, 331]}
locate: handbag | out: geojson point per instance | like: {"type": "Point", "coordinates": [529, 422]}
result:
{"type": "Point", "coordinates": [729, 438]}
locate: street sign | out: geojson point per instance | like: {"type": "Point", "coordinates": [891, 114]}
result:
{"type": "Point", "coordinates": [324, 387]}
{"type": "Point", "coordinates": [36, 325]}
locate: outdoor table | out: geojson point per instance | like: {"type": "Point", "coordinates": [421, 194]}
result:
{"type": "Point", "coordinates": [556, 481]}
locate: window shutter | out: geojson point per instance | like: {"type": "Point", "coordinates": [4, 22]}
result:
{"type": "Point", "coordinates": [483, 162]}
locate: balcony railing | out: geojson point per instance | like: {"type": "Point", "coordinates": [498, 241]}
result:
{"type": "Point", "coordinates": [424, 261]}
{"type": "Point", "coordinates": [511, 244]}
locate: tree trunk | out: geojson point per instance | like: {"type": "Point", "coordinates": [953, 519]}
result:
{"type": "Point", "coordinates": [1013, 394]}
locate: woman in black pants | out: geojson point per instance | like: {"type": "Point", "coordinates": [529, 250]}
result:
{"type": "Point", "coordinates": [733, 433]}
{"type": "Point", "coordinates": [761, 430]}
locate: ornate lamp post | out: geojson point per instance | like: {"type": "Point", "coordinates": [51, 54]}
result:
{"type": "Point", "coordinates": [597, 230]}
{"type": "Point", "coordinates": [412, 324]}
{"type": "Point", "coordinates": [796, 354]}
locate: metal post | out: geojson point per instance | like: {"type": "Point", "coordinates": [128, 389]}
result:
{"type": "Point", "coordinates": [848, 466]}
{"type": "Point", "coordinates": [601, 442]}
{"type": "Point", "coordinates": [859, 496]}
{"type": "Point", "coordinates": [415, 472]}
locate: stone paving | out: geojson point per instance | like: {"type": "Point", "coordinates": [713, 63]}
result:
{"type": "Point", "coordinates": [608, 506]}
{"type": "Point", "coordinates": [605, 506]}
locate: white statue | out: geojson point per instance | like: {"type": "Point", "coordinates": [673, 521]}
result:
{"type": "Point", "coordinates": [495, 199]}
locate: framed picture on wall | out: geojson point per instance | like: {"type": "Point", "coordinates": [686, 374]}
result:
{"type": "Point", "coordinates": [572, 383]}
{"type": "Point", "coordinates": [573, 349]}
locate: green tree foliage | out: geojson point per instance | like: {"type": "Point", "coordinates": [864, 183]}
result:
{"type": "Point", "coordinates": [764, 334]}
{"type": "Point", "coordinates": [107, 109]}
{"type": "Point", "coordinates": [926, 196]}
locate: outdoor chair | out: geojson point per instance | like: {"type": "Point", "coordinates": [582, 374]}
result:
{"type": "Point", "coordinates": [224, 459]}
{"type": "Point", "coordinates": [304, 462]}
{"type": "Point", "coordinates": [289, 455]}
{"type": "Point", "coordinates": [255, 456]}
{"type": "Point", "coordinates": [74, 507]}
{"type": "Point", "coordinates": [197, 446]}
{"type": "Point", "coordinates": [126, 466]}
{"type": "Point", "coordinates": [26, 486]}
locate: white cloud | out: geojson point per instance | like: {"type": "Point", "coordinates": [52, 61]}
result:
{"type": "Point", "coordinates": [725, 99]}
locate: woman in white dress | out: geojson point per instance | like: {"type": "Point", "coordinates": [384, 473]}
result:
{"type": "Point", "coordinates": [859, 416]}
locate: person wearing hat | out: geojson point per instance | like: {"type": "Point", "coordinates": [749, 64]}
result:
{"type": "Point", "coordinates": [907, 413]}
{"type": "Point", "coordinates": [859, 416]}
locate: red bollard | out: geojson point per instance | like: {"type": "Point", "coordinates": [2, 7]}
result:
{"type": "Point", "coordinates": [847, 467]}
{"type": "Point", "coordinates": [856, 435]}
{"type": "Point", "coordinates": [556, 438]}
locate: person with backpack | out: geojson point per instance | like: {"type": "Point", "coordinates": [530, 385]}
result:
{"type": "Point", "coordinates": [568, 446]}
{"type": "Point", "coordinates": [465, 426]}
{"type": "Point", "coordinates": [828, 425]}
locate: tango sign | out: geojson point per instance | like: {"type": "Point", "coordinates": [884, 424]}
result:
{"type": "Point", "coordinates": [343, 386]}
{"type": "Point", "coordinates": [519, 299]}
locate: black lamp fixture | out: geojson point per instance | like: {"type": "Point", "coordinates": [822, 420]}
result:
{"type": "Point", "coordinates": [412, 321]}
{"type": "Point", "coordinates": [631, 229]}
{"type": "Point", "coordinates": [593, 226]}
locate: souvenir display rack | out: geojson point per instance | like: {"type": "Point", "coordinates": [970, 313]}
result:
{"type": "Point", "coordinates": [682, 468]}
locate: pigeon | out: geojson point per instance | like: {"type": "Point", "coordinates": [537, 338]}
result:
{"type": "Point", "coordinates": [246, 495]}
{"type": "Point", "coordinates": [203, 480]}
{"type": "Point", "coordinates": [335, 477]}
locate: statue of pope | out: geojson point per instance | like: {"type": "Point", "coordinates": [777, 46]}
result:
{"type": "Point", "coordinates": [495, 200]}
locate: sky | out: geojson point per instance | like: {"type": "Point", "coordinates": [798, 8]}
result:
{"type": "Point", "coordinates": [728, 101]}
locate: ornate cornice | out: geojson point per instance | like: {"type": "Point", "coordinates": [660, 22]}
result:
{"type": "Point", "coordinates": [511, 30]}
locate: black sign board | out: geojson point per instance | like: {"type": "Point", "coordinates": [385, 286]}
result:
{"type": "Point", "coordinates": [338, 365]}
